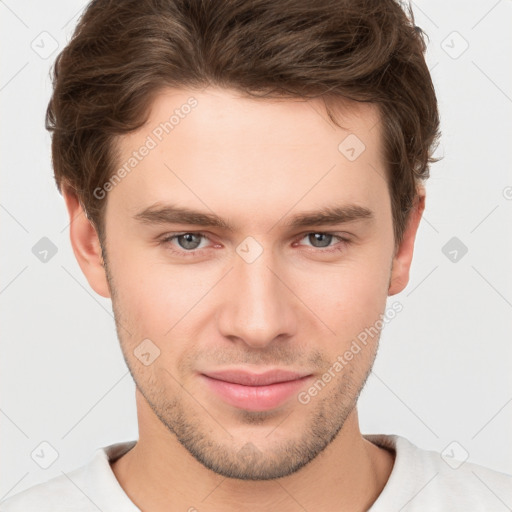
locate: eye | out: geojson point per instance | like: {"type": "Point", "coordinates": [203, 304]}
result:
{"type": "Point", "coordinates": [187, 242]}
{"type": "Point", "coordinates": [321, 240]}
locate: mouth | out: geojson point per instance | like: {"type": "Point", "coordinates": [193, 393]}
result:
{"type": "Point", "coordinates": [255, 391]}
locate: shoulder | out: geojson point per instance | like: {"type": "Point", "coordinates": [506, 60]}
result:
{"type": "Point", "coordinates": [89, 488]}
{"type": "Point", "coordinates": [429, 480]}
{"type": "Point", "coordinates": [56, 494]}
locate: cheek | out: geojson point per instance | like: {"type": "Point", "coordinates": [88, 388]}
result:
{"type": "Point", "coordinates": [351, 303]}
{"type": "Point", "coordinates": [351, 292]}
{"type": "Point", "coordinates": [347, 306]}
{"type": "Point", "coordinates": [153, 295]}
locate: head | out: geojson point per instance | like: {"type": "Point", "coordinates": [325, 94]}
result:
{"type": "Point", "coordinates": [291, 141]}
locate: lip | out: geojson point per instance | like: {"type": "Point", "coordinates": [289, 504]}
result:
{"type": "Point", "coordinates": [255, 391]}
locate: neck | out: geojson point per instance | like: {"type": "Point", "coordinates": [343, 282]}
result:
{"type": "Point", "coordinates": [159, 474]}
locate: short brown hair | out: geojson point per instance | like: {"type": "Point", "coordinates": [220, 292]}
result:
{"type": "Point", "coordinates": [123, 52]}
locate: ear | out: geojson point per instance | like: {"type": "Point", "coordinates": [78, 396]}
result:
{"type": "Point", "coordinates": [403, 254]}
{"type": "Point", "coordinates": [86, 244]}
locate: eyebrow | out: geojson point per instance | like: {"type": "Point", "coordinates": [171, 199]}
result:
{"type": "Point", "coordinates": [329, 215]}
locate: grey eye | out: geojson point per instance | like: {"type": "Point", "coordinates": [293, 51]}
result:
{"type": "Point", "coordinates": [323, 239]}
{"type": "Point", "coordinates": [188, 240]}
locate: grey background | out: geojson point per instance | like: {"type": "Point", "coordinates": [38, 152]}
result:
{"type": "Point", "coordinates": [443, 369]}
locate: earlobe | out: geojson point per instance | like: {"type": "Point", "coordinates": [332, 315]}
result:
{"type": "Point", "coordinates": [403, 256]}
{"type": "Point", "coordinates": [86, 244]}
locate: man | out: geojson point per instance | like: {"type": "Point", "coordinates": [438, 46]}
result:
{"type": "Point", "coordinates": [244, 181]}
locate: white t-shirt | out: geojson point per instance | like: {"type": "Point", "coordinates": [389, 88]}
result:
{"type": "Point", "coordinates": [421, 481]}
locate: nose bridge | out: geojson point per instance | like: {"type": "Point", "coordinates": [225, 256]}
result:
{"type": "Point", "coordinates": [258, 307]}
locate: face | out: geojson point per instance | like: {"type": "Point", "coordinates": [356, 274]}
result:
{"type": "Point", "coordinates": [265, 287]}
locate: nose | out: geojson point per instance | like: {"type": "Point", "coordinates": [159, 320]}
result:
{"type": "Point", "coordinates": [257, 305]}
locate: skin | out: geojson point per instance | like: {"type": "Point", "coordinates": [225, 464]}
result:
{"type": "Point", "coordinates": [295, 307]}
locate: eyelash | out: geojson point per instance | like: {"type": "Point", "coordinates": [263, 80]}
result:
{"type": "Point", "coordinates": [170, 237]}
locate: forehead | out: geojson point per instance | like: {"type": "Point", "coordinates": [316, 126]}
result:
{"type": "Point", "coordinates": [216, 149]}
